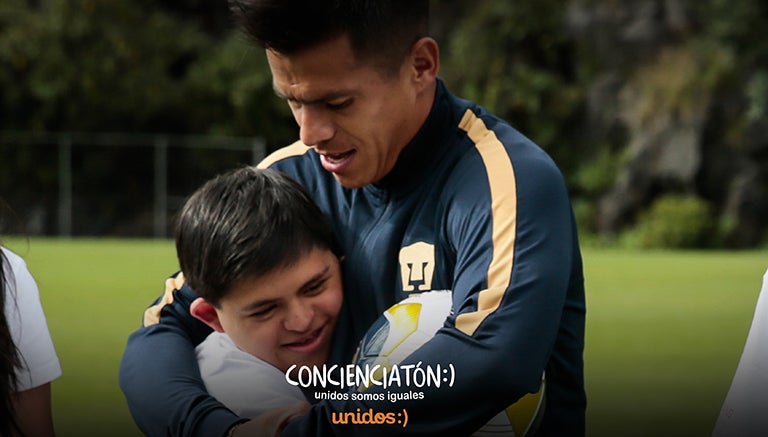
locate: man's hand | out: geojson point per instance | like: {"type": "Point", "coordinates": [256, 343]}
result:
{"type": "Point", "coordinates": [269, 424]}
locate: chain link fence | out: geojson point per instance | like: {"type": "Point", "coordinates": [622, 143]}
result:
{"type": "Point", "coordinates": [108, 184]}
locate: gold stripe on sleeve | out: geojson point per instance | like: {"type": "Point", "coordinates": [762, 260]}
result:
{"type": "Point", "coordinates": [501, 179]}
{"type": "Point", "coordinates": [152, 314]}
{"type": "Point", "coordinates": [296, 149]}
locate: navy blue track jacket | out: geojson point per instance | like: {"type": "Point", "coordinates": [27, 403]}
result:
{"type": "Point", "coordinates": [472, 206]}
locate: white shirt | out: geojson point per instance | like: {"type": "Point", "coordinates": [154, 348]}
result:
{"type": "Point", "coordinates": [29, 329]}
{"type": "Point", "coordinates": [745, 410]}
{"type": "Point", "coordinates": [245, 384]}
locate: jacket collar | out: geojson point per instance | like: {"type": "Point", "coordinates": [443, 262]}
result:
{"type": "Point", "coordinates": [425, 149]}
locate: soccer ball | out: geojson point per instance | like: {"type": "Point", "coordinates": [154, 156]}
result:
{"type": "Point", "coordinates": [405, 326]}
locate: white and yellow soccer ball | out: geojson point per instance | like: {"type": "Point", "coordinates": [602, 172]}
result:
{"type": "Point", "coordinates": [410, 323]}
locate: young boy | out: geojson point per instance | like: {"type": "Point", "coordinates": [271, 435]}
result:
{"type": "Point", "coordinates": [261, 256]}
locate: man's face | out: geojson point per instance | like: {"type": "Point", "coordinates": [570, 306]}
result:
{"type": "Point", "coordinates": [287, 316]}
{"type": "Point", "coordinates": [357, 118]}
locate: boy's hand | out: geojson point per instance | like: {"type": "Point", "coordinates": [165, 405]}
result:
{"type": "Point", "coordinates": [269, 424]}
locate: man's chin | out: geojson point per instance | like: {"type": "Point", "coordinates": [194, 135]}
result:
{"type": "Point", "coordinates": [348, 182]}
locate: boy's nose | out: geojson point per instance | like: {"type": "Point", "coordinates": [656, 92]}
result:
{"type": "Point", "coordinates": [299, 317]}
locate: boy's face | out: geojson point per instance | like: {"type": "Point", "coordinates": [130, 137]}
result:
{"type": "Point", "coordinates": [287, 316]}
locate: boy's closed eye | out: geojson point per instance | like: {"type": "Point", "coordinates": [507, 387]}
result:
{"type": "Point", "coordinates": [263, 312]}
{"type": "Point", "coordinates": [316, 287]}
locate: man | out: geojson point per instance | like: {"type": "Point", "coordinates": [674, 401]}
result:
{"type": "Point", "coordinates": [425, 192]}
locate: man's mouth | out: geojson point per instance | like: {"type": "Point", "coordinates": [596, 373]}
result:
{"type": "Point", "coordinates": [337, 162]}
{"type": "Point", "coordinates": [336, 158]}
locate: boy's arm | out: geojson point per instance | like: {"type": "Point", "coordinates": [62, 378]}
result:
{"type": "Point", "coordinates": [159, 374]}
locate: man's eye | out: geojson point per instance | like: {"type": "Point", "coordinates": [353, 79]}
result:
{"type": "Point", "coordinates": [338, 104]}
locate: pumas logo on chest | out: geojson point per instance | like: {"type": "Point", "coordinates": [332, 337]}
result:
{"type": "Point", "coordinates": [417, 265]}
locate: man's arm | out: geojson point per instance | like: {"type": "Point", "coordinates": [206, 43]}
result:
{"type": "Point", "coordinates": [159, 374]}
{"type": "Point", "coordinates": [519, 309]}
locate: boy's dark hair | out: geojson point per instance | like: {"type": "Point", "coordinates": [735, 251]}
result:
{"type": "Point", "coordinates": [243, 224]}
{"type": "Point", "coordinates": [380, 31]}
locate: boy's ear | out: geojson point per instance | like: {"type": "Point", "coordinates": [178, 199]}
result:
{"type": "Point", "coordinates": [206, 313]}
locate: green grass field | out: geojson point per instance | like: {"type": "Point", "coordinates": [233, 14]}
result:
{"type": "Point", "coordinates": [664, 330]}
{"type": "Point", "coordinates": [94, 293]}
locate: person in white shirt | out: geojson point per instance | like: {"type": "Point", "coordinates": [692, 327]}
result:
{"type": "Point", "coordinates": [745, 410]}
{"type": "Point", "coordinates": [29, 360]}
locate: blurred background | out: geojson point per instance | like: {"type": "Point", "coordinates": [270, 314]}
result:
{"type": "Point", "coordinates": [655, 110]}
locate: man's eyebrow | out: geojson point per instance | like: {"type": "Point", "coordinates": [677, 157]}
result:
{"type": "Point", "coordinates": [320, 100]}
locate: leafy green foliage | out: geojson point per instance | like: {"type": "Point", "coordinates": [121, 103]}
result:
{"type": "Point", "coordinates": [121, 65]}
{"type": "Point", "coordinates": [673, 222]}
{"type": "Point", "coordinates": [96, 66]}
{"type": "Point", "coordinates": [515, 59]}
{"type": "Point", "coordinates": [181, 67]}
{"type": "Point", "coordinates": [233, 83]}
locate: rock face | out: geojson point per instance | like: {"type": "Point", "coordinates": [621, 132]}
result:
{"type": "Point", "coordinates": [670, 93]}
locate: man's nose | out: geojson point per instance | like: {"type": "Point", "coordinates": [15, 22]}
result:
{"type": "Point", "coordinates": [315, 125]}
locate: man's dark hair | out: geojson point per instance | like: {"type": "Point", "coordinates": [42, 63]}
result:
{"type": "Point", "coordinates": [244, 224]}
{"type": "Point", "coordinates": [380, 31]}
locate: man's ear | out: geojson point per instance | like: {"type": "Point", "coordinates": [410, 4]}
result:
{"type": "Point", "coordinates": [425, 60]}
{"type": "Point", "coordinates": [206, 313]}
